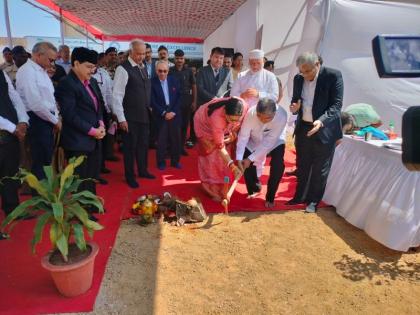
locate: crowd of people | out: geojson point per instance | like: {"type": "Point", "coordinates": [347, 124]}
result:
{"type": "Point", "coordinates": [87, 101]}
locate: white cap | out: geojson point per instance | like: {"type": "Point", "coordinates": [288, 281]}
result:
{"type": "Point", "coordinates": [256, 54]}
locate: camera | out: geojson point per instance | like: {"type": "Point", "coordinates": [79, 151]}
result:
{"type": "Point", "coordinates": [398, 56]}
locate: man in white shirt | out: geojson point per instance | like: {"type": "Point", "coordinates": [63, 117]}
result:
{"type": "Point", "coordinates": [131, 99]}
{"type": "Point", "coordinates": [317, 100]}
{"type": "Point", "coordinates": [105, 85]}
{"type": "Point", "coordinates": [37, 92]}
{"type": "Point", "coordinates": [13, 124]}
{"type": "Point", "coordinates": [256, 83]}
{"type": "Point", "coordinates": [64, 61]}
{"type": "Point", "coordinates": [262, 134]}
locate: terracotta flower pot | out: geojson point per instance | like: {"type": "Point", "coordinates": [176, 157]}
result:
{"type": "Point", "coordinates": [74, 279]}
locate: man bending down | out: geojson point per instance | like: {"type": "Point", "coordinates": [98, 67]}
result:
{"type": "Point", "coordinates": [262, 134]}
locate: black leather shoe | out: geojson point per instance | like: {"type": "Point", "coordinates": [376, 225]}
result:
{"type": "Point", "coordinates": [112, 158]}
{"type": "Point", "coordinates": [292, 173]}
{"type": "Point", "coordinates": [176, 165]}
{"type": "Point", "coordinates": [93, 218]}
{"type": "Point", "coordinates": [4, 236]}
{"type": "Point", "coordinates": [132, 183]}
{"type": "Point", "coordinates": [102, 181]}
{"type": "Point", "coordinates": [105, 170]}
{"type": "Point", "coordinates": [293, 202]}
{"type": "Point", "coordinates": [147, 175]}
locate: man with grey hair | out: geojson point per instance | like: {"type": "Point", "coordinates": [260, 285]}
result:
{"type": "Point", "coordinates": [165, 102]}
{"type": "Point", "coordinates": [131, 99]}
{"type": "Point", "coordinates": [37, 92]}
{"type": "Point", "coordinates": [262, 134]}
{"type": "Point", "coordinates": [317, 101]}
{"type": "Point", "coordinates": [64, 57]}
{"type": "Point", "coordinates": [256, 83]}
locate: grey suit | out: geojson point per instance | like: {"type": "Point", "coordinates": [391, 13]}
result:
{"type": "Point", "coordinates": [208, 87]}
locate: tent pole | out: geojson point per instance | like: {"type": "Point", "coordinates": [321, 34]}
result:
{"type": "Point", "coordinates": [6, 18]}
{"type": "Point", "coordinates": [61, 27]}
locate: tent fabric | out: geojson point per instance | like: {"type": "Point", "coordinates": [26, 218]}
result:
{"type": "Point", "coordinates": [346, 29]}
{"type": "Point", "coordinates": [153, 20]}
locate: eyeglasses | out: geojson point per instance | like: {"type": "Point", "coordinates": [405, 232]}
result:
{"type": "Point", "coordinates": [163, 71]}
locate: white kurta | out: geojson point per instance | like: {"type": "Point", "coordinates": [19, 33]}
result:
{"type": "Point", "coordinates": [263, 81]}
{"type": "Point", "coordinates": [261, 138]}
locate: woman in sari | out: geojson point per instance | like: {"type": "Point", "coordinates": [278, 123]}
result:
{"type": "Point", "coordinates": [216, 125]}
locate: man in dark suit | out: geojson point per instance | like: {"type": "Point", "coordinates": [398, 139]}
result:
{"type": "Point", "coordinates": [165, 101]}
{"type": "Point", "coordinates": [213, 80]}
{"type": "Point", "coordinates": [188, 93]}
{"type": "Point", "coordinates": [317, 100]}
{"type": "Point", "coordinates": [131, 100]}
{"type": "Point", "coordinates": [81, 106]}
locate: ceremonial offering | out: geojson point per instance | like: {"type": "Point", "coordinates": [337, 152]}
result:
{"type": "Point", "coordinates": [146, 207]}
{"type": "Point", "coordinates": [168, 208]}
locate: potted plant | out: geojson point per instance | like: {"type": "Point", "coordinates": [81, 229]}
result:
{"type": "Point", "coordinates": [59, 206]}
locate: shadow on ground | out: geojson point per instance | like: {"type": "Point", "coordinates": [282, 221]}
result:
{"type": "Point", "coordinates": [377, 260]}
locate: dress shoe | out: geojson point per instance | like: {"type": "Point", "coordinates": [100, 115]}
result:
{"type": "Point", "coordinates": [4, 236]}
{"type": "Point", "coordinates": [132, 183]}
{"type": "Point", "coordinates": [253, 195]}
{"type": "Point", "coordinates": [184, 153]}
{"type": "Point", "coordinates": [147, 175]}
{"type": "Point", "coordinates": [93, 218]}
{"type": "Point", "coordinates": [161, 166]}
{"type": "Point", "coordinates": [292, 173]}
{"type": "Point", "coordinates": [105, 170]}
{"type": "Point", "coordinates": [102, 181]}
{"type": "Point", "coordinates": [112, 158]}
{"type": "Point", "coordinates": [176, 165]}
{"type": "Point", "coordinates": [311, 207]}
{"type": "Point", "coordinates": [293, 202]}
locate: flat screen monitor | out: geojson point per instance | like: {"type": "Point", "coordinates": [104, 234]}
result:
{"type": "Point", "coordinates": [397, 55]}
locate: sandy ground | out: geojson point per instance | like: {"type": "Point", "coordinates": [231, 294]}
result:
{"type": "Point", "coordinates": [250, 263]}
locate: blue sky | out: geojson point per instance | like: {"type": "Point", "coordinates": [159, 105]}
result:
{"type": "Point", "coordinates": [26, 20]}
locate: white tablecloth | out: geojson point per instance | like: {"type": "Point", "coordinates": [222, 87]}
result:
{"type": "Point", "coordinates": [371, 189]}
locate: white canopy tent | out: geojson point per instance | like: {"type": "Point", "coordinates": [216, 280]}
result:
{"type": "Point", "coordinates": [341, 31]}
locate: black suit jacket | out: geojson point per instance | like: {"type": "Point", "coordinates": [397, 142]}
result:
{"type": "Point", "coordinates": [207, 88]}
{"type": "Point", "coordinates": [328, 100]}
{"type": "Point", "coordinates": [158, 102]}
{"type": "Point", "coordinates": [78, 112]}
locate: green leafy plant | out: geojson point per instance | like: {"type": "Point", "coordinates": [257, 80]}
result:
{"type": "Point", "coordinates": [59, 206]}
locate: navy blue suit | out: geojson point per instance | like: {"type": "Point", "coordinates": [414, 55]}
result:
{"type": "Point", "coordinates": [79, 115]}
{"type": "Point", "coordinates": [314, 154]}
{"type": "Point", "coordinates": [169, 131]}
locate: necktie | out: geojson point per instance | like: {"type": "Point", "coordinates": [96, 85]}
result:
{"type": "Point", "coordinates": [216, 77]}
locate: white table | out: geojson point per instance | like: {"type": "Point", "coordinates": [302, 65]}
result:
{"type": "Point", "coordinates": [371, 189]}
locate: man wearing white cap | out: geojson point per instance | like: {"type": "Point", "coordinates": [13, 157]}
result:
{"type": "Point", "coordinates": [256, 83]}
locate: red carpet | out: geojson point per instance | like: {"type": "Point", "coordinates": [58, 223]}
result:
{"type": "Point", "coordinates": [25, 288]}
{"type": "Point", "coordinates": [184, 184]}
